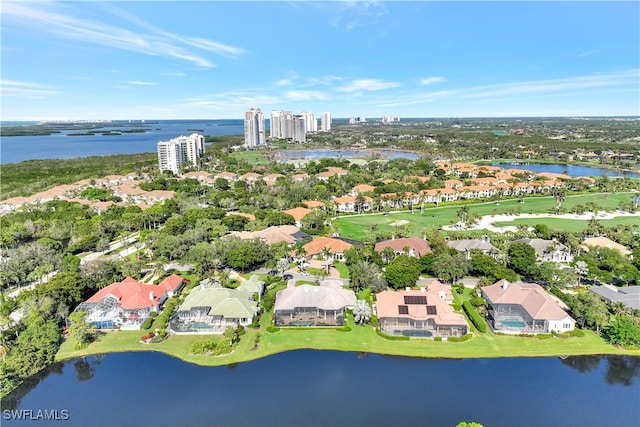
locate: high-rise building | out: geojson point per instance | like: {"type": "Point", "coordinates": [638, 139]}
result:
{"type": "Point", "coordinates": [311, 124]}
{"type": "Point", "coordinates": [275, 130]}
{"type": "Point", "coordinates": [254, 128]}
{"type": "Point", "coordinates": [299, 129]}
{"type": "Point", "coordinates": [183, 149]}
{"type": "Point", "coordinates": [325, 122]}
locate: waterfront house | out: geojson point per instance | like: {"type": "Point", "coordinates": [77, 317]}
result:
{"type": "Point", "coordinates": [526, 308]}
{"type": "Point", "coordinates": [127, 304]}
{"type": "Point", "coordinates": [309, 305]}
{"type": "Point", "coordinates": [419, 313]}
{"type": "Point", "coordinates": [627, 295]}
{"type": "Point", "coordinates": [210, 308]}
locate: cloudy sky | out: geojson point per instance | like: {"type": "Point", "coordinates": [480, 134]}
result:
{"type": "Point", "coordinates": [215, 60]}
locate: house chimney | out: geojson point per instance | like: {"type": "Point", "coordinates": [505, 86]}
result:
{"type": "Point", "coordinates": [151, 295]}
{"type": "Point", "coordinates": [408, 289]}
{"type": "Point", "coordinates": [505, 284]}
{"type": "Point", "coordinates": [422, 289]}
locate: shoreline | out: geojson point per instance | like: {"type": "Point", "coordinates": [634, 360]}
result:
{"type": "Point", "coordinates": [480, 346]}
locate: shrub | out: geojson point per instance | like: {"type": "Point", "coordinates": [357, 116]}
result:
{"type": "Point", "coordinates": [475, 318]}
{"type": "Point", "coordinates": [392, 337]}
{"type": "Point", "coordinates": [477, 301]}
{"type": "Point", "coordinates": [460, 339]}
{"type": "Point", "coordinates": [437, 339]}
{"type": "Point", "coordinates": [344, 328]}
{"type": "Point", "coordinates": [374, 321]}
{"type": "Point", "coordinates": [574, 333]}
{"type": "Point", "coordinates": [147, 336]}
{"type": "Point", "coordinates": [256, 339]}
{"type": "Point", "coordinates": [544, 336]}
{"type": "Point", "coordinates": [147, 323]}
{"type": "Point", "coordinates": [456, 306]}
{"type": "Point", "coordinates": [153, 314]}
{"type": "Point", "coordinates": [272, 329]}
{"type": "Point", "coordinates": [202, 346]}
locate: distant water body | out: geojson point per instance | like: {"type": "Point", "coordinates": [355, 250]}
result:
{"type": "Point", "coordinates": [62, 146]}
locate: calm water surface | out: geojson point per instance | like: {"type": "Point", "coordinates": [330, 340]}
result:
{"type": "Point", "coordinates": [571, 170]}
{"type": "Point", "coordinates": [328, 388]}
{"type": "Point", "coordinates": [61, 146]}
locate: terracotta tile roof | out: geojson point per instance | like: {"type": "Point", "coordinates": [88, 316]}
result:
{"type": "Point", "coordinates": [298, 213]}
{"type": "Point", "coordinates": [531, 297]}
{"type": "Point", "coordinates": [604, 242]}
{"type": "Point", "coordinates": [133, 295]}
{"type": "Point", "coordinates": [249, 216]}
{"type": "Point", "coordinates": [313, 204]}
{"type": "Point", "coordinates": [250, 176]}
{"type": "Point", "coordinates": [350, 199]}
{"type": "Point", "coordinates": [334, 245]}
{"type": "Point", "coordinates": [300, 176]}
{"type": "Point", "coordinates": [388, 302]}
{"type": "Point", "coordinates": [419, 246]}
{"type": "Point", "coordinates": [363, 188]}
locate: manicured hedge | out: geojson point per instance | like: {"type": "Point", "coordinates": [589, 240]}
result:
{"type": "Point", "coordinates": [391, 337]}
{"type": "Point", "coordinates": [477, 320]}
{"type": "Point", "coordinates": [460, 339]}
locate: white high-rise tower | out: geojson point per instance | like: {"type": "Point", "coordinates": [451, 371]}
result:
{"type": "Point", "coordinates": [325, 122]}
{"type": "Point", "coordinates": [254, 128]}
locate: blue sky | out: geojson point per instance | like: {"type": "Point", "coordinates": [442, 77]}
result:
{"type": "Point", "coordinates": [215, 60]}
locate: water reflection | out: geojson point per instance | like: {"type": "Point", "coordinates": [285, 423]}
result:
{"type": "Point", "coordinates": [621, 370]}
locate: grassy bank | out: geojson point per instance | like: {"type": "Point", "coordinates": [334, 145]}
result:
{"type": "Point", "coordinates": [359, 339]}
{"type": "Point", "coordinates": [357, 227]}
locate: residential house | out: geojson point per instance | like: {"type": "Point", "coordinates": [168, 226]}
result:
{"type": "Point", "coordinates": [127, 304]}
{"type": "Point", "coordinates": [298, 214]}
{"type": "Point", "coordinates": [313, 204]}
{"type": "Point", "coordinates": [467, 245]}
{"type": "Point", "coordinates": [419, 313]}
{"type": "Point", "coordinates": [627, 295]}
{"type": "Point", "coordinates": [362, 189]}
{"type": "Point", "coordinates": [548, 250]}
{"type": "Point", "coordinates": [309, 305]}
{"type": "Point", "coordinates": [271, 179]}
{"type": "Point", "coordinates": [210, 308]}
{"type": "Point", "coordinates": [604, 242]}
{"type": "Point", "coordinates": [412, 246]}
{"type": "Point", "coordinates": [229, 176]}
{"type": "Point", "coordinates": [300, 177]}
{"type": "Point", "coordinates": [351, 204]}
{"type": "Point", "coordinates": [275, 234]}
{"type": "Point", "coordinates": [516, 308]}
{"type": "Point", "coordinates": [334, 248]}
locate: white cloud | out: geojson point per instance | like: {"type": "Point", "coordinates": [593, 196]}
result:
{"type": "Point", "coordinates": [431, 80]}
{"type": "Point", "coordinates": [305, 95]}
{"type": "Point", "coordinates": [367, 85]}
{"type": "Point", "coordinates": [25, 89]}
{"type": "Point", "coordinates": [153, 41]}
{"type": "Point", "coordinates": [140, 83]}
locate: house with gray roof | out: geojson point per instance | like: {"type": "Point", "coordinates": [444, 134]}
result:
{"type": "Point", "coordinates": [517, 308]}
{"type": "Point", "coordinates": [467, 245]}
{"type": "Point", "coordinates": [209, 308]}
{"type": "Point", "coordinates": [548, 250]}
{"type": "Point", "coordinates": [628, 295]}
{"type": "Point", "coordinates": [310, 305]}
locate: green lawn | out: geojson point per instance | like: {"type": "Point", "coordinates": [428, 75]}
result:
{"type": "Point", "coordinates": [571, 225]}
{"type": "Point", "coordinates": [305, 282]}
{"type": "Point", "coordinates": [360, 338]}
{"type": "Point", "coordinates": [342, 269]}
{"type": "Point", "coordinates": [255, 157]}
{"type": "Point", "coordinates": [357, 227]}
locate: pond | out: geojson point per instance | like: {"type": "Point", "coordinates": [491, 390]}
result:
{"type": "Point", "coordinates": [571, 170]}
{"type": "Point", "coordinates": [330, 388]}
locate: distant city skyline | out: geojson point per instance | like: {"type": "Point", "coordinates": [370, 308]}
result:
{"type": "Point", "coordinates": [216, 60]}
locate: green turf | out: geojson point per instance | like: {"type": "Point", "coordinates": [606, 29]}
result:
{"type": "Point", "coordinates": [358, 226]}
{"type": "Point", "coordinates": [571, 225]}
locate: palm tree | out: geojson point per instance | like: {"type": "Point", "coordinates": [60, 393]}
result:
{"type": "Point", "coordinates": [581, 269]}
{"type": "Point", "coordinates": [619, 308]}
{"type": "Point", "coordinates": [282, 265]}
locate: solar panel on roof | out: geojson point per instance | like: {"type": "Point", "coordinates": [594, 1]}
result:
{"type": "Point", "coordinates": [403, 309]}
{"type": "Point", "coordinates": [415, 299]}
{"type": "Point", "coordinates": [431, 309]}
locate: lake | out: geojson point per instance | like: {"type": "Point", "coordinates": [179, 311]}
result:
{"type": "Point", "coordinates": [330, 388]}
{"type": "Point", "coordinates": [62, 146]}
{"type": "Point", "coordinates": [571, 170]}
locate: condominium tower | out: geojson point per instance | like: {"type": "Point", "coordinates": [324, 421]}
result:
{"type": "Point", "coordinates": [325, 122]}
{"type": "Point", "coordinates": [254, 128]}
{"type": "Point", "coordinates": [183, 149]}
